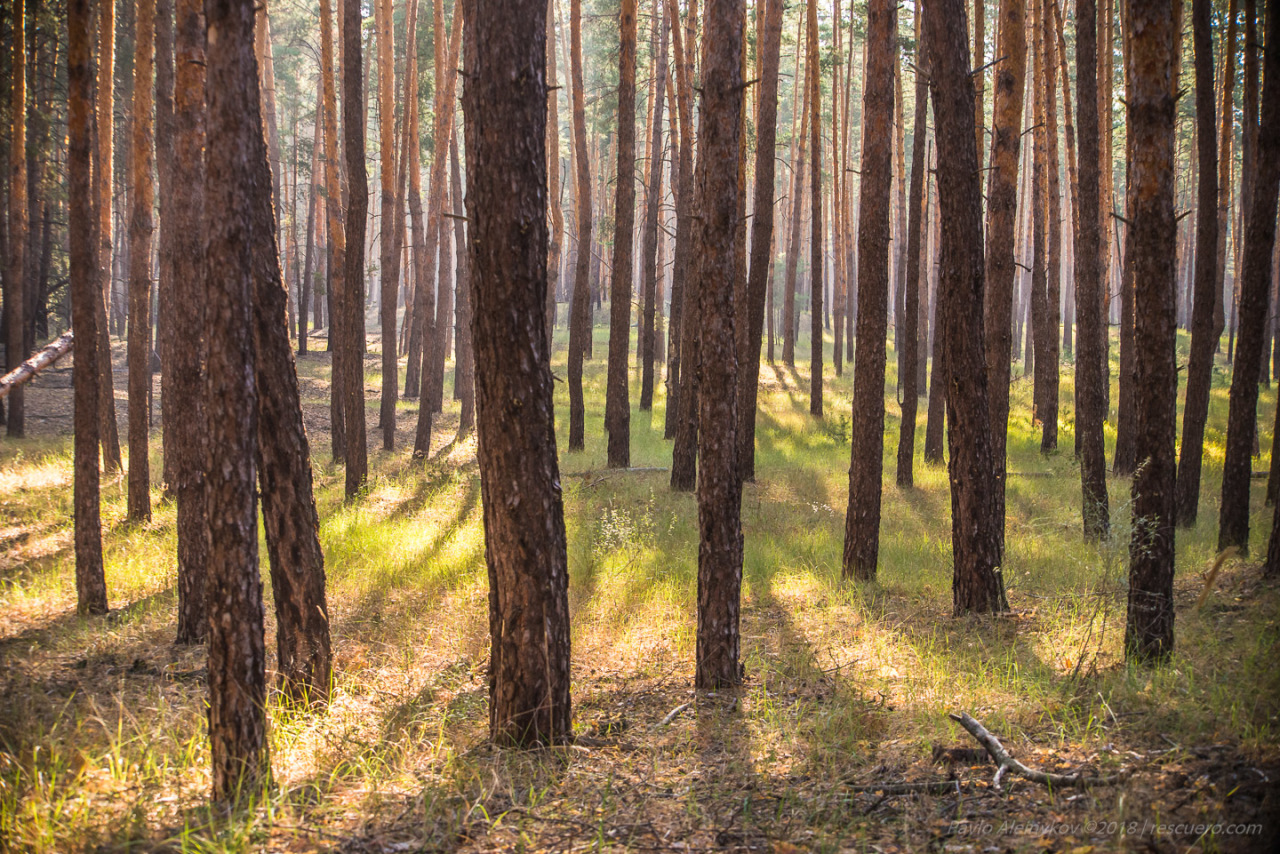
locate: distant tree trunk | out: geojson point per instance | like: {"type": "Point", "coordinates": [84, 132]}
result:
{"type": "Point", "coordinates": [1226, 137]}
{"type": "Point", "coordinates": [336, 231]}
{"type": "Point", "coordinates": [309, 267]}
{"type": "Point", "coordinates": [1039, 203]}
{"type": "Point", "coordinates": [141, 226]}
{"type": "Point", "coordinates": [388, 245]}
{"type": "Point", "coordinates": [719, 488]}
{"type": "Point", "coordinates": [1153, 34]}
{"type": "Point", "coordinates": [1073, 177]}
{"type": "Point", "coordinates": [351, 336]}
{"type": "Point", "coordinates": [505, 101]}
{"type": "Point", "coordinates": [617, 404]}
{"type": "Point", "coordinates": [91, 586]}
{"type": "Point", "coordinates": [556, 238]}
{"type": "Point", "coordinates": [15, 282]}
{"type": "Point", "coordinates": [1090, 373]}
{"type": "Point", "coordinates": [444, 301]}
{"type": "Point", "coordinates": [751, 325]}
{"type": "Point", "coordinates": [979, 78]}
{"type": "Point", "coordinates": [464, 366]}
{"type": "Point", "coordinates": [237, 655]}
{"type": "Point", "coordinates": [653, 200]}
{"type": "Point", "coordinates": [1106, 122]}
{"type": "Point", "coordinates": [579, 307]}
{"type": "Point", "coordinates": [975, 540]}
{"type": "Point", "coordinates": [1002, 210]}
{"type": "Point", "coordinates": [815, 242]}
{"type": "Point", "coordinates": [1126, 452]}
{"type": "Point", "coordinates": [1053, 248]}
{"type": "Point", "coordinates": [797, 216]}
{"type": "Point", "coordinates": [1259, 240]}
{"type": "Point", "coordinates": [1204, 339]}
{"type": "Point", "coordinates": [862, 518]}
{"type": "Point", "coordinates": [839, 187]}
{"type": "Point", "coordinates": [909, 322]}
{"type": "Point", "coordinates": [165, 239]}
{"type": "Point", "coordinates": [103, 172]}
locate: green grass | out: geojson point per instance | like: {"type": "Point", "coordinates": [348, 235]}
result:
{"type": "Point", "coordinates": [102, 720]}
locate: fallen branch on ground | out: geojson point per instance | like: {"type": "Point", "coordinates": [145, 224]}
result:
{"type": "Point", "coordinates": [36, 363]}
{"type": "Point", "coordinates": [932, 787]}
{"type": "Point", "coordinates": [1007, 763]}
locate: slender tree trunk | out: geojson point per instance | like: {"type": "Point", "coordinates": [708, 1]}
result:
{"type": "Point", "coordinates": [15, 297]}
{"type": "Point", "coordinates": [1039, 203]}
{"type": "Point", "coordinates": [683, 182]}
{"type": "Point", "coordinates": [1090, 372]}
{"type": "Point", "coordinates": [388, 248]}
{"type": "Point", "coordinates": [444, 305]}
{"type": "Point", "coordinates": [862, 518]}
{"type": "Point", "coordinates": [815, 242]}
{"type": "Point", "coordinates": [579, 309]}
{"type": "Point", "coordinates": [719, 488]}
{"type": "Point", "coordinates": [751, 325]}
{"type": "Point", "coordinates": [309, 269]}
{"type": "Point", "coordinates": [653, 200]}
{"type": "Point", "coordinates": [556, 237]}
{"type": "Point", "coordinates": [1153, 34]}
{"type": "Point", "coordinates": [91, 586]}
{"type": "Point", "coordinates": [1255, 278]}
{"type": "Point", "coordinates": [1204, 339]}
{"type": "Point", "coordinates": [1126, 452]}
{"type": "Point", "coordinates": [797, 217]}
{"type": "Point", "coordinates": [165, 239]}
{"type": "Point", "coordinates": [336, 232]}
{"type": "Point", "coordinates": [352, 335]}
{"type": "Point", "coordinates": [1226, 136]}
{"type": "Point", "coordinates": [975, 532]}
{"type": "Point", "coordinates": [464, 366]}
{"type": "Point", "coordinates": [237, 655]}
{"type": "Point", "coordinates": [1053, 247]}
{"type": "Point", "coordinates": [103, 172]}
{"type": "Point", "coordinates": [141, 226]}
{"type": "Point", "coordinates": [505, 100]}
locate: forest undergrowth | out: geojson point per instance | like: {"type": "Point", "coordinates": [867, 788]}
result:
{"type": "Point", "coordinates": [847, 687]}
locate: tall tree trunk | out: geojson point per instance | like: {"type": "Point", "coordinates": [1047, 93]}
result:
{"type": "Point", "coordinates": [165, 238]}
{"type": "Point", "coordinates": [1153, 34]}
{"type": "Point", "coordinates": [388, 246]}
{"type": "Point", "coordinates": [141, 226]}
{"type": "Point", "coordinates": [91, 586]}
{"type": "Point", "coordinates": [1002, 211]}
{"type": "Point", "coordinates": [556, 237]}
{"type": "Point", "coordinates": [653, 200]}
{"type": "Point", "coordinates": [505, 100]}
{"type": "Point", "coordinates": [1226, 136]}
{"type": "Point", "coordinates": [440, 345]}
{"type": "Point", "coordinates": [15, 297]}
{"type": "Point", "coordinates": [719, 488]}
{"type": "Point", "coordinates": [751, 326]}
{"type": "Point", "coordinates": [351, 335]}
{"type": "Point", "coordinates": [305, 294]}
{"type": "Point", "coordinates": [839, 182]}
{"type": "Point", "coordinates": [1039, 203]}
{"type": "Point", "coordinates": [1106, 156]}
{"type": "Point", "coordinates": [1259, 240]}
{"type": "Point", "coordinates": [1053, 247]}
{"type": "Point", "coordinates": [908, 346]}
{"type": "Point", "coordinates": [1090, 372]}
{"type": "Point", "coordinates": [815, 242]}
{"type": "Point", "coordinates": [237, 656]}
{"type": "Point", "coordinates": [862, 518]}
{"type": "Point", "coordinates": [103, 172]}
{"type": "Point", "coordinates": [464, 366]}
{"type": "Point", "coordinates": [336, 230]}
{"type": "Point", "coordinates": [1073, 178]}
{"type": "Point", "coordinates": [975, 541]}
{"type": "Point", "coordinates": [1195, 411]}
{"type": "Point", "coordinates": [797, 217]}
{"type": "Point", "coordinates": [579, 308]}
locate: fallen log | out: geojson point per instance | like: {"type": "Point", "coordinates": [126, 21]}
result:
{"type": "Point", "coordinates": [37, 362]}
{"type": "Point", "coordinates": [1007, 764]}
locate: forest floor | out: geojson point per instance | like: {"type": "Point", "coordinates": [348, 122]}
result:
{"type": "Point", "coordinates": [102, 734]}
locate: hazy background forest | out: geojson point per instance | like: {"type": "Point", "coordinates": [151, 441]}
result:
{"type": "Point", "coordinates": [873, 405]}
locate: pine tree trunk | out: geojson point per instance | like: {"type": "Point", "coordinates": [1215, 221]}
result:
{"type": "Point", "coordinates": [335, 230]}
{"type": "Point", "coordinates": [141, 226]}
{"type": "Point", "coordinates": [237, 656]}
{"type": "Point", "coordinates": [165, 238]}
{"type": "Point", "coordinates": [556, 237]}
{"type": "Point", "coordinates": [15, 297]}
{"type": "Point", "coordinates": [862, 518]}
{"type": "Point", "coordinates": [579, 308]}
{"type": "Point", "coordinates": [653, 199]}
{"type": "Point", "coordinates": [505, 101]}
{"type": "Point", "coordinates": [815, 241]}
{"type": "Point", "coordinates": [103, 171]}
{"type": "Point", "coordinates": [388, 248]}
{"type": "Point", "coordinates": [975, 532]}
{"type": "Point", "coordinates": [1226, 136]}
{"type": "Point", "coordinates": [1153, 34]}
{"type": "Point", "coordinates": [617, 406]}
{"type": "Point", "coordinates": [797, 217]}
{"type": "Point", "coordinates": [91, 587]}
{"type": "Point", "coordinates": [351, 334]}
{"type": "Point", "coordinates": [464, 366]}
{"type": "Point", "coordinates": [1053, 247]}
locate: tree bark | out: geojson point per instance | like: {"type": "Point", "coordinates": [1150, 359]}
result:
{"type": "Point", "coordinates": [1259, 239]}
{"type": "Point", "coordinates": [977, 586]}
{"type": "Point", "coordinates": [719, 488]}
{"type": "Point", "coordinates": [336, 231]}
{"type": "Point", "coordinates": [1090, 372]}
{"type": "Point", "coordinates": [505, 113]}
{"type": "Point", "coordinates": [237, 657]}
{"type": "Point", "coordinates": [680, 275]}
{"type": "Point", "coordinates": [862, 518]}
{"type": "Point", "coordinates": [15, 297]}
{"type": "Point", "coordinates": [555, 245]}
{"type": "Point", "coordinates": [815, 241]}
{"type": "Point", "coordinates": [653, 200]}
{"type": "Point", "coordinates": [350, 343]}
{"type": "Point", "coordinates": [165, 238]}
{"type": "Point", "coordinates": [141, 227]}
{"type": "Point", "coordinates": [579, 308]}
{"type": "Point", "coordinates": [797, 216]}
{"type": "Point", "coordinates": [388, 245]}
{"type": "Point", "coordinates": [91, 586]}
{"type": "Point", "coordinates": [1053, 247]}
{"type": "Point", "coordinates": [103, 172]}
{"type": "Point", "coordinates": [1152, 32]}
{"type": "Point", "coordinates": [464, 366]}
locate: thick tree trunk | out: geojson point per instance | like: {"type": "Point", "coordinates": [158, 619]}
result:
{"type": "Point", "coordinates": [975, 541]}
{"type": "Point", "coordinates": [1195, 411]}
{"type": "Point", "coordinates": [1153, 34]}
{"type": "Point", "coordinates": [141, 226]}
{"type": "Point", "coordinates": [751, 322]}
{"type": "Point", "coordinates": [617, 415]}
{"type": "Point", "coordinates": [505, 103]}
{"type": "Point", "coordinates": [91, 586]}
{"type": "Point", "coordinates": [1259, 239]}
{"type": "Point", "coordinates": [15, 297]}
{"type": "Point", "coordinates": [237, 657]}
{"type": "Point", "coordinates": [719, 488]}
{"type": "Point", "coordinates": [862, 518]}
{"type": "Point", "coordinates": [351, 304]}
{"type": "Point", "coordinates": [1090, 372]}
{"type": "Point", "coordinates": [579, 307]}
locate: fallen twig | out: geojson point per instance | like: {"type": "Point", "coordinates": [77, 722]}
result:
{"type": "Point", "coordinates": [674, 713]}
{"type": "Point", "coordinates": [1007, 763]}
